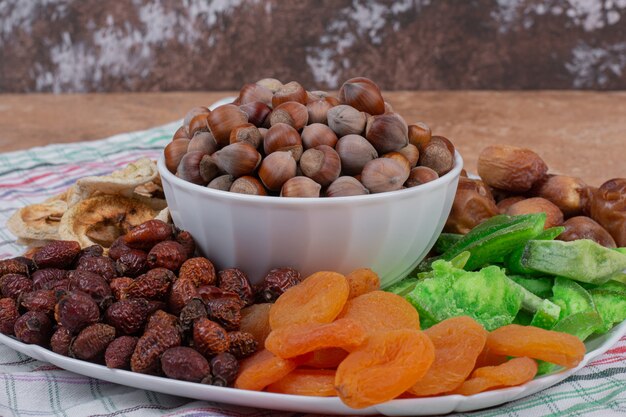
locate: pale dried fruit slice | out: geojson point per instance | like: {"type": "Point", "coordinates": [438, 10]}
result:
{"type": "Point", "coordinates": [100, 220]}
{"type": "Point", "coordinates": [38, 221]}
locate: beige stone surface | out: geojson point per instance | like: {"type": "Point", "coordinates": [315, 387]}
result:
{"type": "Point", "coordinates": [577, 133]}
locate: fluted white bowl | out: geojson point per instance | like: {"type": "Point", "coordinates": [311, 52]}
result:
{"type": "Point", "coordinates": [388, 232]}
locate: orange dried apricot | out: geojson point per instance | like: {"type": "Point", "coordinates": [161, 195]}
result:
{"type": "Point", "coordinates": [554, 347]}
{"type": "Point", "coordinates": [516, 371]}
{"type": "Point", "coordinates": [381, 311]}
{"type": "Point", "coordinates": [384, 367]}
{"type": "Point", "coordinates": [488, 358]}
{"type": "Point", "coordinates": [313, 382]}
{"type": "Point", "coordinates": [362, 281]}
{"type": "Point", "coordinates": [328, 358]}
{"type": "Point", "coordinates": [263, 368]}
{"type": "Point", "coordinates": [298, 339]}
{"type": "Point", "coordinates": [317, 299]}
{"type": "Point", "coordinates": [255, 320]}
{"type": "Point", "coordinates": [458, 341]}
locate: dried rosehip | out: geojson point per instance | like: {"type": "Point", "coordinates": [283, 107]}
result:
{"type": "Point", "coordinates": [8, 315]}
{"type": "Point", "coordinates": [150, 346]}
{"type": "Point", "coordinates": [76, 310]}
{"type": "Point", "coordinates": [62, 285]}
{"type": "Point", "coordinates": [224, 368]}
{"type": "Point", "coordinates": [39, 300]}
{"type": "Point", "coordinates": [187, 242]}
{"type": "Point", "coordinates": [128, 316]}
{"type": "Point", "coordinates": [200, 270]}
{"type": "Point", "coordinates": [30, 264]}
{"type": "Point", "coordinates": [276, 282]}
{"type": "Point", "coordinates": [153, 285]}
{"type": "Point", "coordinates": [118, 248]}
{"type": "Point", "coordinates": [183, 290]}
{"type": "Point", "coordinates": [160, 319]}
{"type": "Point", "coordinates": [132, 263]}
{"type": "Point", "coordinates": [192, 311]}
{"type": "Point", "coordinates": [92, 341]}
{"type": "Point", "coordinates": [12, 285]}
{"type": "Point", "coordinates": [57, 254]}
{"type": "Point", "coordinates": [168, 254]}
{"type": "Point", "coordinates": [93, 250]}
{"type": "Point", "coordinates": [148, 234]}
{"type": "Point", "coordinates": [119, 352]}
{"type": "Point", "coordinates": [34, 327]}
{"type": "Point", "coordinates": [101, 265]}
{"type": "Point", "coordinates": [119, 286]}
{"type": "Point", "coordinates": [44, 277]}
{"type": "Point", "coordinates": [242, 344]}
{"type": "Point", "coordinates": [12, 266]}
{"type": "Point", "coordinates": [209, 338]}
{"type": "Point", "coordinates": [60, 341]}
{"type": "Point", "coordinates": [235, 280]}
{"type": "Point", "coordinates": [93, 284]}
{"type": "Point", "coordinates": [185, 363]}
{"type": "Point", "coordinates": [225, 311]}
{"type": "Point", "coordinates": [155, 305]}
{"type": "Point", "coordinates": [210, 292]}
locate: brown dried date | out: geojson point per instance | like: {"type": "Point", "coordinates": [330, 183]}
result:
{"type": "Point", "coordinates": [473, 204]}
{"type": "Point", "coordinates": [153, 285]}
{"type": "Point", "coordinates": [39, 300]}
{"type": "Point", "coordinates": [76, 310]}
{"type": "Point", "coordinates": [276, 282]}
{"type": "Point", "coordinates": [43, 277]}
{"type": "Point", "coordinates": [187, 242]}
{"type": "Point", "coordinates": [8, 315]}
{"type": "Point", "coordinates": [148, 234]}
{"type": "Point", "coordinates": [554, 215]}
{"type": "Point", "coordinates": [194, 310]}
{"type": "Point", "coordinates": [92, 341]}
{"type": "Point", "coordinates": [118, 353]}
{"type": "Point", "coordinates": [241, 344]}
{"type": "Point", "coordinates": [567, 193]}
{"type": "Point", "coordinates": [60, 341]}
{"type": "Point", "coordinates": [119, 287]}
{"type": "Point", "coordinates": [128, 316]}
{"type": "Point", "coordinates": [225, 311]}
{"type": "Point", "coordinates": [209, 338]}
{"type": "Point", "coordinates": [150, 346]}
{"type": "Point", "coordinates": [236, 280]}
{"type": "Point", "coordinates": [93, 284]}
{"type": "Point", "coordinates": [168, 254]}
{"type": "Point", "coordinates": [12, 266]}
{"type": "Point", "coordinates": [57, 254]}
{"type": "Point", "coordinates": [200, 270]}
{"type": "Point", "coordinates": [101, 265]}
{"type": "Point", "coordinates": [608, 207]}
{"type": "Point", "coordinates": [581, 227]}
{"type": "Point", "coordinates": [224, 369]}
{"type": "Point", "coordinates": [185, 363]}
{"type": "Point", "coordinates": [118, 248]}
{"type": "Point", "coordinates": [33, 327]}
{"type": "Point", "coordinates": [510, 168]}
{"type": "Point", "coordinates": [132, 263]}
{"type": "Point", "coordinates": [12, 285]}
{"type": "Point", "coordinates": [183, 290]}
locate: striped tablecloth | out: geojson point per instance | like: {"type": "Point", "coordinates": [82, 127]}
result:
{"type": "Point", "coordinates": [32, 388]}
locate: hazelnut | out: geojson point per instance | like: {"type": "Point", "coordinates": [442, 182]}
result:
{"type": "Point", "coordinates": [346, 120]}
{"type": "Point", "coordinates": [250, 93]}
{"type": "Point", "coordinates": [237, 159]}
{"type": "Point", "coordinates": [510, 168]}
{"type": "Point", "coordinates": [300, 187]}
{"type": "Point", "coordinates": [257, 112]}
{"type": "Point", "coordinates": [292, 91]}
{"type": "Point", "coordinates": [203, 142]}
{"type": "Point", "coordinates": [567, 193]}
{"type": "Point", "coordinates": [276, 169]}
{"type": "Point", "coordinates": [354, 151]}
{"type": "Point", "coordinates": [318, 109]}
{"type": "Point", "coordinates": [292, 113]}
{"type": "Point", "coordinates": [387, 132]}
{"type": "Point", "coordinates": [181, 133]}
{"type": "Point", "coordinates": [582, 227]}
{"type": "Point", "coordinates": [247, 185]}
{"type": "Point", "coordinates": [437, 156]}
{"type": "Point", "coordinates": [199, 124]}
{"type": "Point", "coordinates": [384, 174]}
{"type": "Point", "coordinates": [362, 94]}
{"type": "Point", "coordinates": [189, 168]}
{"type": "Point", "coordinates": [282, 137]}
{"type": "Point", "coordinates": [248, 133]}
{"type": "Point", "coordinates": [223, 182]}
{"type": "Point", "coordinates": [402, 160]}
{"type": "Point", "coordinates": [554, 216]}
{"type": "Point", "coordinates": [174, 152]}
{"type": "Point", "coordinates": [346, 186]}
{"type": "Point", "coordinates": [473, 204]}
{"type": "Point", "coordinates": [411, 153]}
{"type": "Point", "coordinates": [318, 134]}
{"type": "Point", "coordinates": [208, 168]}
{"type": "Point", "coordinates": [271, 84]}
{"type": "Point", "coordinates": [224, 119]}
{"type": "Point", "coordinates": [321, 164]}
{"type": "Point", "coordinates": [420, 175]}
{"type": "Point", "coordinates": [419, 135]}
{"type": "Point", "coordinates": [190, 115]}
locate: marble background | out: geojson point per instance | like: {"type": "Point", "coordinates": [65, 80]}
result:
{"type": "Point", "coordinates": [159, 45]}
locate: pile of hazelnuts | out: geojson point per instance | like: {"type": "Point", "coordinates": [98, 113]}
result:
{"type": "Point", "coordinates": [280, 139]}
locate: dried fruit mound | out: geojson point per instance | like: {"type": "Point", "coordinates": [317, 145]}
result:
{"type": "Point", "coordinates": [369, 348]}
{"type": "Point", "coordinates": [150, 305]}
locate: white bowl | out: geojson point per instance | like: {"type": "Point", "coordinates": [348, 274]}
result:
{"type": "Point", "coordinates": [388, 232]}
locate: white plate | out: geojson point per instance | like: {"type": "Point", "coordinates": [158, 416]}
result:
{"type": "Point", "coordinates": [296, 403]}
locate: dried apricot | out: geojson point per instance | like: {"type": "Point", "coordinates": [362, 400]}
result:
{"type": "Point", "coordinates": [328, 358]}
{"type": "Point", "coordinates": [516, 371]}
{"type": "Point", "coordinates": [313, 382]}
{"type": "Point", "coordinates": [362, 281]}
{"type": "Point", "coordinates": [298, 339]}
{"type": "Point", "coordinates": [256, 321]}
{"type": "Point", "coordinates": [317, 299]}
{"type": "Point", "coordinates": [458, 342]}
{"type": "Point", "coordinates": [386, 366]}
{"type": "Point", "coordinates": [381, 311]}
{"type": "Point", "coordinates": [488, 358]}
{"type": "Point", "coordinates": [554, 347]}
{"type": "Point", "coordinates": [261, 369]}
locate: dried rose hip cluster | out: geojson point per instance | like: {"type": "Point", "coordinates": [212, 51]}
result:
{"type": "Point", "coordinates": [149, 305]}
{"type": "Point", "coordinates": [279, 139]}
